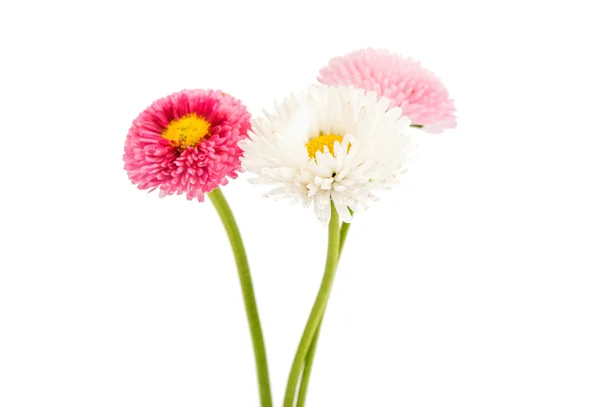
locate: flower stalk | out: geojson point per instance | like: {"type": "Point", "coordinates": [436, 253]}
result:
{"type": "Point", "coordinates": [241, 260]}
{"type": "Point", "coordinates": [318, 309]}
{"type": "Point", "coordinates": [313, 346]}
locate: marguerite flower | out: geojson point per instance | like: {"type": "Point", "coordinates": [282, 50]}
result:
{"type": "Point", "coordinates": [420, 94]}
{"type": "Point", "coordinates": [187, 142]}
{"type": "Point", "coordinates": [328, 143]}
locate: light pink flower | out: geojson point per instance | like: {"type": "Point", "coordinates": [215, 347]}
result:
{"type": "Point", "coordinates": [187, 142]}
{"type": "Point", "coordinates": [417, 91]}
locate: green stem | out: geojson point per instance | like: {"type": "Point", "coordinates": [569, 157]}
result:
{"type": "Point", "coordinates": [418, 126]}
{"type": "Point", "coordinates": [313, 346]}
{"type": "Point", "coordinates": [310, 356]}
{"type": "Point", "coordinates": [260, 354]}
{"type": "Point", "coordinates": [343, 233]}
{"type": "Point", "coordinates": [318, 308]}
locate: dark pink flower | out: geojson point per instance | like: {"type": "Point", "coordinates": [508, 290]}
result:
{"type": "Point", "coordinates": [187, 143]}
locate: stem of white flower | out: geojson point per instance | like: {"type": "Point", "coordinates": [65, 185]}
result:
{"type": "Point", "coordinates": [318, 309]}
{"type": "Point", "coordinates": [313, 346]}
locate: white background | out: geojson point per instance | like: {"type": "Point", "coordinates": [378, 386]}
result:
{"type": "Point", "coordinates": [475, 283]}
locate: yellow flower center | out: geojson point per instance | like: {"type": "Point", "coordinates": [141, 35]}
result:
{"type": "Point", "coordinates": [187, 131]}
{"type": "Point", "coordinates": [319, 143]}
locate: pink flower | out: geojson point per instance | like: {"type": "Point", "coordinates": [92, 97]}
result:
{"type": "Point", "coordinates": [187, 142]}
{"type": "Point", "coordinates": [421, 96]}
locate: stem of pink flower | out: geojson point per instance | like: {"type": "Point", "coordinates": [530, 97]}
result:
{"type": "Point", "coordinates": [260, 354]}
{"type": "Point", "coordinates": [308, 368]}
{"type": "Point", "coordinates": [343, 233]}
{"type": "Point", "coordinates": [313, 346]}
{"type": "Point", "coordinates": [318, 309]}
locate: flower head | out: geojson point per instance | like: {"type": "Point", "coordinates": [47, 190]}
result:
{"type": "Point", "coordinates": [328, 143]}
{"type": "Point", "coordinates": [420, 94]}
{"type": "Point", "coordinates": [186, 142]}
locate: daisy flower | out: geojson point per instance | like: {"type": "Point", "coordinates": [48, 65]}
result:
{"type": "Point", "coordinates": [420, 94]}
{"type": "Point", "coordinates": [326, 144]}
{"type": "Point", "coordinates": [186, 143]}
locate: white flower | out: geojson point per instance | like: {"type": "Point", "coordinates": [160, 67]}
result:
{"type": "Point", "coordinates": [328, 143]}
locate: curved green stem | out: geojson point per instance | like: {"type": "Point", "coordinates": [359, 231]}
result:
{"type": "Point", "coordinates": [313, 346]}
{"type": "Point", "coordinates": [318, 308]}
{"type": "Point", "coordinates": [310, 356]}
{"type": "Point", "coordinates": [260, 354]}
{"type": "Point", "coordinates": [343, 233]}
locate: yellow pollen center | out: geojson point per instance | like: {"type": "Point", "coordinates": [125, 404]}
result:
{"type": "Point", "coordinates": [319, 143]}
{"type": "Point", "coordinates": [187, 131]}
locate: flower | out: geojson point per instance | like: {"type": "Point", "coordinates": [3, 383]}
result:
{"type": "Point", "coordinates": [420, 94]}
{"type": "Point", "coordinates": [328, 143]}
{"type": "Point", "coordinates": [186, 142]}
